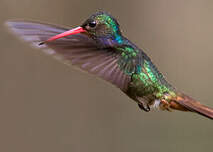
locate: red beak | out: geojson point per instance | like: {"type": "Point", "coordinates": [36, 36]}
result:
{"type": "Point", "coordinates": [67, 33]}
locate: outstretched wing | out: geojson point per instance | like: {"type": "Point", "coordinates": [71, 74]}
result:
{"type": "Point", "coordinates": [79, 50]}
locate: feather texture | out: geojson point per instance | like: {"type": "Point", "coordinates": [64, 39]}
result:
{"type": "Point", "coordinates": [194, 106]}
{"type": "Point", "coordinates": [78, 49]}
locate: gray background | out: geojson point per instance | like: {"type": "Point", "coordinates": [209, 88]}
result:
{"type": "Point", "coordinates": [46, 106]}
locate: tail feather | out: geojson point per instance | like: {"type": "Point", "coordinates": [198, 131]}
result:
{"type": "Point", "coordinates": [190, 104]}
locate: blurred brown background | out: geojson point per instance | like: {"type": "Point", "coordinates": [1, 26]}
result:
{"type": "Point", "coordinates": [46, 106]}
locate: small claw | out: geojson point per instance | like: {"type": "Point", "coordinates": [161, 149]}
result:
{"type": "Point", "coordinates": [164, 105]}
{"type": "Point", "coordinates": [145, 108]}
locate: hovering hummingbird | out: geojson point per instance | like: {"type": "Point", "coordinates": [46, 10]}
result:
{"type": "Point", "coordinates": [98, 47]}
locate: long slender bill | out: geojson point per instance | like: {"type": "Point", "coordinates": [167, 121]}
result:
{"type": "Point", "coordinates": [67, 33]}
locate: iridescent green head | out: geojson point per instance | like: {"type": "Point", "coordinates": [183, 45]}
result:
{"type": "Point", "coordinates": [103, 25]}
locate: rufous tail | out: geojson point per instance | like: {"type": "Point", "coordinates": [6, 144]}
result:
{"type": "Point", "coordinates": [186, 103]}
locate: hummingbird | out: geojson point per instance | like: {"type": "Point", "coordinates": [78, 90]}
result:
{"type": "Point", "coordinates": [99, 48]}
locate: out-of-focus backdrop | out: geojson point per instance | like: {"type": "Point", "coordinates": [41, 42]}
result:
{"type": "Point", "coordinates": [46, 106]}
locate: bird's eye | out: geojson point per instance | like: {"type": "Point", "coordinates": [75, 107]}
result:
{"type": "Point", "coordinates": [92, 24]}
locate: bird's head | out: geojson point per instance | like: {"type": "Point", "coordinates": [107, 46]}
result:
{"type": "Point", "coordinates": [98, 25]}
{"type": "Point", "coordinates": [102, 24]}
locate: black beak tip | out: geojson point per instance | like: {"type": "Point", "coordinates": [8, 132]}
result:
{"type": "Point", "coordinates": [41, 43]}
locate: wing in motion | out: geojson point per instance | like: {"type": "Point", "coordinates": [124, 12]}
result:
{"type": "Point", "coordinates": [78, 49]}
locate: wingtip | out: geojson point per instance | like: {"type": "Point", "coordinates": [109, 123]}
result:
{"type": "Point", "coordinates": [10, 24]}
{"type": "Point", "coordinates": [7, 23]}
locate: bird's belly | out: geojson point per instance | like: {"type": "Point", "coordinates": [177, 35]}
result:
{"type": "Point", "coordinates": [142, 88]}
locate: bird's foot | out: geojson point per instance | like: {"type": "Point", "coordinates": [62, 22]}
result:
{"type": "Point", "coordinates": [143, 104]}
{"type": "Point", "coordinates": [144, 107]}
{"type": "Point", "coordinates": [164, 105]}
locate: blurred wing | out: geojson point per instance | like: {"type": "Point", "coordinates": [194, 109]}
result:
{"type": "Point", "coordinates": [77, 49]}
